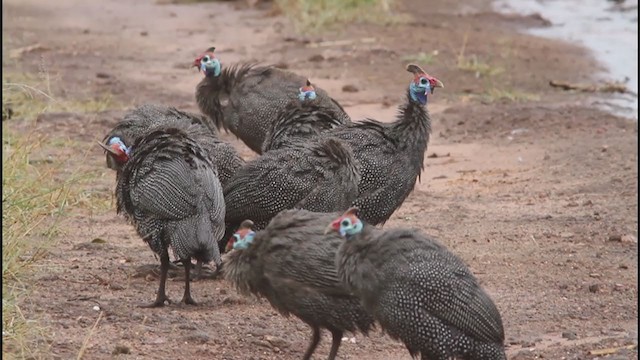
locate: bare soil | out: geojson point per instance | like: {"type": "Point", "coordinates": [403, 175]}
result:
{"type": "Point", "coordinates": [537, 193]}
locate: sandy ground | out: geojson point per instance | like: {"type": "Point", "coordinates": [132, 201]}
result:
{"type": "Point", "coordinates": [537, 193]}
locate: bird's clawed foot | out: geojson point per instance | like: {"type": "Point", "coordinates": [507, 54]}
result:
{"type": "Point", "coordinates": [160, 302]}
{"type": "Point", "coordinates": [188, 300]}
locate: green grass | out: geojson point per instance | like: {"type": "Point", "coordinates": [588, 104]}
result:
{"type": "Point", "coordinates": [493, 95]}
{"type": "Point", "coordinates": [474, 64]}
{"type": "Point", "coordinates": [422, 58]}
{"type": "Point", "coordinates": [38, 194]}
{"type": "Point", "coordinates": [317, 15]}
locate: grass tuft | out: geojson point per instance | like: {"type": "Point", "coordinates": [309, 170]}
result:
{"type": "Point", "coordinates": [473, 64]}
{"type": "Point", "coordinates": [316, 15]}
{"type": "Point", "coordinates": [38, 191]}
{"type": "Point", "coordinates": [493, 95]}
{"type": "Point", "coordinates": [422, 58]}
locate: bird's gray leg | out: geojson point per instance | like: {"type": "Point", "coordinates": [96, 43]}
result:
{"type": "Point", "coordinates": [315, 339]}
{"type": "Point", "coordinates": [161, 297]}
{"type": "Point", "coordinates": [187, 283]}
{"type": "Point", "coordinates": [335, 344]}
{"type": "Point", "coordinates": [198, 271]}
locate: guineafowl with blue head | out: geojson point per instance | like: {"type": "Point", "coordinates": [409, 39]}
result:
{"type": "Point", "coordinates": [246, 99]}
{"type": "Point", "coordinates": [419, 292]}
{"type": "Point", "coordinates": [168, 188]}
{"type": "Point", "coordinates": [285, 262]}
{"type": "Point", "coordinates": [303, 118]}
{"type": "Point", "coordinates": [391, 155]}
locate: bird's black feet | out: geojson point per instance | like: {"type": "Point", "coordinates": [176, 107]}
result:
{"type": "Point", "coordinates": [188, 300]}
{"type": "Point", "coordinates": [160, 302]}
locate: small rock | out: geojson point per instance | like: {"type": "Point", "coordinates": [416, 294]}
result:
{"type": "Point", "coordinates": [587, 203]}
{"type": "Point", "coordinates": [187, 327]}
{"type": "Point", "coordinates": [566, 235]}
{"type": "Point", "coordinates": [350, 88]}
{"type": "Point", "coordinates": [86, 31]}
{"type": "Point", "coordinates": [102, 75]}
{"type": "Point", "coordinates": [594, 288]}
{"type": "Point", "coordinates": [316, 58]}
{"type": "Point", "coordinates": [615, 238]}
{"type": "Point", "coordinates": [595, 275]}
{"type": "Point", "coordinates": [197, 337]}
{"type": "Point", "coordinates": [623, 266]}
{"type": "Point", "coordinates": [618, 287]}
{"type": "Point", "coordinates": [96, 308]}
{"type": "Point", "coordinates": [144, 33]}
{"type": "Point", "coordinates": [528, 344]}
{"type": "Point", "coordinates": [546, 157]}
{"type": "Point", "coordinates": [121, 349]}
{"type": "Point", "coordinates": [604, 148]}
{"type": "Point", "coordinates": [116, 287]}
{"type": "Point", "coordinates": [277, 342]}
{"type": "Point", "coordinates": [569, 335]}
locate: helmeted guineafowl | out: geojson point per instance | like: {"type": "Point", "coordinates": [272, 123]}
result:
{"type": "Point", "coordinates": [321, 176]}
{"type": "Point", "coordinates": [391, 155]}
{"type": "Point", "coordinates": [145, 118]}
{"type": "Point", "coordinates": [169, 190]}
{"type": "Point", "coordinates": [284, 262]}
{"type": "Point", "coordinates": [246, 98]}
{"type": "Point", "coordinates": [302, 119]}
{"type": "Point", "coordinates": [418, 291]}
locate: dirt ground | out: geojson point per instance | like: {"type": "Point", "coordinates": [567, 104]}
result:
{"type": "Point", "coordinates": [535, 189]}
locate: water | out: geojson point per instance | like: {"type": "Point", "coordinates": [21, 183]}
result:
{"type": "Point", "coordinates": [599, 25]}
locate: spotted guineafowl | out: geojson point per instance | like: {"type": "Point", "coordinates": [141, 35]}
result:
{"type": "Point", "coordinates": [303, 118]}
{"type": "Point", "coordinates": [246, 98]}
{"type": "Point", "coordinates": [284, 262]}
{"type": "Point", "coordinates": [418, 291]}
{"type": "Point", "coordinates": [169, 190]}
{"type": "Point", "coordinates": [391, 155]}
{"type": "Point", "coordinates": [145, 118]}
{"type": "Point", "coordinates": [321, 176]}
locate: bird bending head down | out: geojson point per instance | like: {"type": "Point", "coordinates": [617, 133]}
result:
{"type": "Point", "coordinates": [422, 84]}
{"type": "Point", "coordinates": [118, 152]}
{"type": "Point", "coordinates": [208, 63]}
{"type": "Point", "coordinates": [346, 225]}
{"type": "Point", "coordinates": [242, 238]}
{"type": "Point", "coordinates": [307, 92]}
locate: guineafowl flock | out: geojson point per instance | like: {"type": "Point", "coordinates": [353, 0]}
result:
{"type": "Point", "coordinates": [300, 225]}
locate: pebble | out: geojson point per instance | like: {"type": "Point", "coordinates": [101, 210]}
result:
{"type": "Point", "coordinates": [198, 337]}
{"type": "Point", "coordinates": [350, 88]}
{"type": "Point", "coordinates": [570, 335]}
{"type": "Point", "coordinates": [96, 308]}
{"type": "Point", "coordinates": [121, 349]}
{"type": "Point", "coordinates": [594, 288]}
{"type": "Point", "coordinates": [277, 342]}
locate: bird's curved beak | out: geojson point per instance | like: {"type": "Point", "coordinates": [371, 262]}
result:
{"type": "Point", "coordinates": [196, 62]}
{"type": "Point", "coordinates": [438, 83]}
{"type": "Point", "coordinates": [230, 244]}
{"type": "Point", "coordinates": [334, 226]}
{"type": "Point", "coordinates": [107, 149]}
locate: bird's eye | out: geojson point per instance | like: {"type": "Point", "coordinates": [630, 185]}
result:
{"type": "Point", "coordinates": [423, 81]}
{"type": "Point", "coordinates": [345, 222]}
{"type": "Point", "coordinates": [206, 58]}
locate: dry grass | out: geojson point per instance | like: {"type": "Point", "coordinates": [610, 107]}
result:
{"type": "Point", "coordinates": [317, 15]}
{"type": "Point", "coordinates": [37, 192]}
{"type": "Point", "coordinates": [493, 95]}
{"type": "Point", "coordinates": [422, 58]}
{"type": "Point", "coordinates": [474, 64]}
